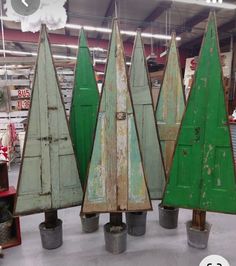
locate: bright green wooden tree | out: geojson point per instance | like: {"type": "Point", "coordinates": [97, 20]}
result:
{"type": "Point", "coordinates": [202, 174]}
{"type": "Point", "coordinates": [146, 122]}
{"type": "Point", "coordinates": [84, 108]}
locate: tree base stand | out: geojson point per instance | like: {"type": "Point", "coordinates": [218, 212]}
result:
{"type": "Point", "coordinates": [168, 217]}
{"type": "Point", "coordinates": [198, 238]}
{"type": "Point", "coordinates": [90, 222]}
{"type": "Point", "coordinates": [136, 223]}
{"type": "Point", "coordinates": [51, 231]}
{"type": "Point", "coordinates": [115, 238]}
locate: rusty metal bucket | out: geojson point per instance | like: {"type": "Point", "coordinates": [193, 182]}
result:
{"type": "Point", "coordinates": [115, 238]}
{"type": "Point", "coordinates": [90, 223]}
{"type": "Point", "coordinates": [196, 238]}
{"type": "Point", "coordinates": [51, 238]}
{"type": "Point", "coordinates": [168, 217]}
{"type": "Point", "coordinates": [136, 223]}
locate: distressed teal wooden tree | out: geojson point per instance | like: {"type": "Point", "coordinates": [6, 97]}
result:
{"type": "Point", "coordinates": [49, 178]}
{"type": "Point", "coordinates": [146, 123]}
{"type": "Point", "coordinates": [116, 180]}
{"type": "Point", "coordinates": [202, 174]}
{"type": "Point", "coordinates": [171, 104]}
{"type": "Point", "coordinates": [84, 108]}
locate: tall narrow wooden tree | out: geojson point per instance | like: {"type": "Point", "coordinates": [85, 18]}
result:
{"type": "Point", "coordinates": [49, 178]}
{"type": "Point", "coordinates": [84, 108]}
{"type": "Point", "coordinates": [146, 123]}
{"type": "Point", "coordinates": [202, 174]}
{"type": "Point", "coordinates": [83, 115]}
{"type": "Point", "coordinates": [116, 181]}
{"type": "Point", "coordinates": [171, 104]}
{"type": "Point", "coordinates": [169, 112]}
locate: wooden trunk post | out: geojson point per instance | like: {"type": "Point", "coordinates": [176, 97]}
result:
{"type": "Point", "coordinates": [51, 219]}
{"type": "Point", "coordinates": [116, 219]}
{"type": "Point", "coordinates": [199, 220]}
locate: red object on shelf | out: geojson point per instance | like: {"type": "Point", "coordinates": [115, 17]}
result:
{"type": "Point", "coordinates": [16, 234]}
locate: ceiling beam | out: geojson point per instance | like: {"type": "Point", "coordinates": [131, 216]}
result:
{"type": "Point", "coordinates": [226, 27]}
{"type": "Point", "coordinates": [155, 14]}
{"type": "Point", "coordinates": [109, 12]}
{"type": "Point", "coordinates": [12, 35]}
{"type": "Point", "coordinates": [193, 21]}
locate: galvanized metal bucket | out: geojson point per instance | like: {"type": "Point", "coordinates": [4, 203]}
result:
{"type": "Point", "coordinates": [5, 232]}
{"type": "Point", "coordinates": [168, 217]}
{"type": "Point", "coordinates": [90, 224]}
{"type": "Point", "coordinates": [196, 238]}
{"type": "Point", "coordinates": [136, 223]}
{"type": "Point", "coordinates": [115, 238]}
{"type": "Point", "coordinates": [51, 238]}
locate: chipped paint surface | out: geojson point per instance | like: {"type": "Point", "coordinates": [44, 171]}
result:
{"type": "Point", "coordinates": [84, 108]}
{"type": "Point", "coordinates": [146, 124]}
{"type": "Point", "coordinates": [119, 185]}
{"type": "Point", "coordinates": [49, 176]}
{"type": "Point", "coordinates": [171, 104]}
{"type": "Point", "coordinates": [202, 177]}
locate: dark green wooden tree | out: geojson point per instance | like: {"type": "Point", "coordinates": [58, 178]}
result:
{"type": "Point", "coordinates": [202, 174]}
{"type": "Point", "coordinates": [84, 107]}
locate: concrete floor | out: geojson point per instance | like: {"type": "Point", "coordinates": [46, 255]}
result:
{"type": "Point", "coordinates": [158, 247]}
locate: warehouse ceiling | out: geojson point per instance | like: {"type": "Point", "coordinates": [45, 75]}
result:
{"type": "Point", "coordinates": [152, 16]}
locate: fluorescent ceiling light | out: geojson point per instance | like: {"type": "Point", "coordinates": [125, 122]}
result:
{"type": "Point", "coordinates": [76, 47]}
{"type": "Point", "coordinates": [35, 54]}
{"type": "Point", "coordinates": [124, 32]}
{"type": "Point", "coordinates": [101, 61]}
{"type": "Point", "coordinates": [208, 3]}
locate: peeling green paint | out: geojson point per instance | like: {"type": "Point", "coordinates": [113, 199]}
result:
{"type": "Point", "coordinates": [119, 185]}
{"type": "Point", "coordinates": [202, 177]}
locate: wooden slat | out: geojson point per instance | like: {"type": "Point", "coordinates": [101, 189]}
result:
{"type": "Point", "coordinates": [202, 175]}
{"type": "Point", "coordinates": [171, 104]}
{"type": "Point", "coordinates": [45, 182]}
{"type": "Point", "coordinates": [116, 180]}
{"type": "Point", "coordinates": [146, 124]}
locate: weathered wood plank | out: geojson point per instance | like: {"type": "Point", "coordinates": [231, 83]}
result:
{"type": "Point", "coordinates": [171, 104]}
{"type": "Point", "coordinates": [146, 124]}
{"type": "Point", "coordinates": [202, 175]}
{"type": "Point", "coordinates": [49, 176]}
{"type": "Point", "coordinates": [116, 180]}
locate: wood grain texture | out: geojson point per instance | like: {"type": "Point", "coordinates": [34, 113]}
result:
{"type": "Point", "coordinates": [202, 176]}
{"type": "Point", "coordinates": [49, 176]}
{"type": "Point", "coordinates": [170, 105]}
{"type": "Point", "coordinates": [146, 124]}
{"type": "Point", "coordinates": [116, 180]}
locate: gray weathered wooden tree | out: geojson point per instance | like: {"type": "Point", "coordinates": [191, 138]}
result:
{"type": "Point", "coordinates": [49, 178]}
